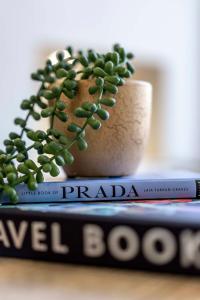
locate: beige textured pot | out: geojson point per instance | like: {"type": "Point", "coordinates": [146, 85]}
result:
{"type": "Point", "coordinates": [117, 147]}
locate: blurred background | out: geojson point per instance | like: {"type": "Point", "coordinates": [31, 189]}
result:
{"type": "Point", "coordinates": [163, 35]}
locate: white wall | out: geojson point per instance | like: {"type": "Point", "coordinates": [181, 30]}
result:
{"type": "Point", "coordinates": [161, 31]}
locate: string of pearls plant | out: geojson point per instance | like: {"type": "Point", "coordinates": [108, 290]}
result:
{"type": "Point", "coordinates": [108, 71]}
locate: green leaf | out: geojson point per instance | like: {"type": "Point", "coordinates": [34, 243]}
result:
{"type": "Point", "coordinates": [48, 68]}
{"type": "Point", "coordinates": [60, 55]}
{"type": "Point", "coordinates": [9, 149]}
{"type": "Point", "coordinates": [68, 157]}
{"type": "Point", "coordinates": [83, 60]}
{"type": "Point", "coordinates": [92, 55]}
{"type": "Point", "coordinates": [40, 149]}
{"type": "Point", "coordinates": [70, 50]}
{"type": "Point", "coordinates": [40, 134]}
{"type": "Point", "coordinates": [49, 95]}
{"type": "Point", "coordinates": [108, 101]}
{"type": "Point", "coordinates": [31, 165]}
{"type": "Point", "coordinates": [122, 81]}
{"type": "Point", "coordinates": [71, 74]}
{"type": "Point", "coordinates": [84, 75]}
{"type": "Point", "coordinates": [56, 133]}
{"type": "Point", "coordinates": [21, 157]}
{"type": "Point", "coordinates": [41, 104]}
{"type": "Point", "coordinates": [60, 160]}
{"type": "Point", "coordinates": [120, 70]}
{"type": "Point", "coordinates": [32, 183]}
{"type": "Point", "coordinates": [13, 135]}
{"type": "Point", "coordinates": [69, 94]}
{"type": "Point", "coordinates": [66, 66]}
{"type": "Point", "coordinates": [35, 115]}
{"type": "Point", "coordinates": [99, 82]}
{"type": "Point", "coordinates": [87, 72]}
{"type": "Point", "coordinates": [20, 122]}
{"type": "Point", "coordinates": [103, 114]}
{"type": "Point", "coordinates": [99, 63]}
{"type": "Point", "coordinates": [32, 135]}
{"type": "Point", "coordinates": [94, 123]}
{"type": "Point", "coordinates": [89, 106]}
{"type": "Point", "coordinates": [82, 133]}
{"type": "Point", "coordinates": [108, 56]}
{"type": "Point", "coordinates": [43, 159]}
{"type": "Point", "coordinates": [60, 105]}
{"type": "Point", "coordinates": [7, 142]}
{"type": "Point", "coordinates": [3, 158]}
{"type": "Point", "coordinates": [9, 168]}
{"type": "Point", "coordinates": [12, 194]}
{"type": "Point", "coordinates": [64, 140]}
{"type": "Point", "coordinates": [1, 177]}
{"type": "Point", "coordinates": [39, 177]}
{"type": "Point", "coordinates": [46, 149]}
{"type": "Point", "coordinates": [112, 79]}
{"type": "Point", "coordinates": [99, 72]}
{"type": "Point", "coordinates": [11, 177]}
{"type": "Point", "coordinates": [56, 90]}
{"type": "Point", "coordinates": [122, 54]}
{"type": "Point", "coordinates": [111, 88]}
{"type": "Point", "coordinates": [109, 67]}
{"type": "Point", "coordinates": [115, 58]}
{"type": "Point", "coordinates": [50, 79]}
{"type": "Point", "coordinates": [116, 46]}
{"type": "Point", "coordinates": [130, 68]}
{"type": "Point", "coordinates": [81, 113]}
{"type": "Point", "coordinates": [93, 90]}
{"type": "Point", "coordinates": [127, 74]}
{"type": "Point", "coordinates": [74, 127]}
{"type": "Point", "coordinates": [36, 76]}
{"type": "Point", "coordinates": [54, 148]}
{"type": "Point", "coordinates": [47, 112]}
{"type": "Point", "coordinates": [62, 116]}
{"type": "Point", "coordinates": [26, 104]}
{"type": "Point", "coordinates": [22, 168]}
{"type": "Point", "coordinates": [56, 66]}
{"type": "Point", "coordinates": [19, 144]}
{"type": "Point", "coordinates": [82, 144]}
{"type": "Point", "coordinates": [46, 168]}
{"type": "Point", "coordinates": [70, 84]}
{"type": "Point", "coordinates": [130, 55]}
{"type": "Point", "coordinates": [54, 170]}
{"type": "Point", "coordinates": [33, 99]}
{"type": "Point", "coordinates": [60, 73]}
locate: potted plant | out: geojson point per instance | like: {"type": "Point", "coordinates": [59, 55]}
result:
{"type": "Point", "coordinates": [80, 93]}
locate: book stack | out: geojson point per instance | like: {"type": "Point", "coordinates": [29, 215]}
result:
{"type": "Point", "coordinates": [149, 223]}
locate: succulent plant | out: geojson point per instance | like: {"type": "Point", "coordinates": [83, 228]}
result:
{"type": "Point", "coordinates": [108, 72]}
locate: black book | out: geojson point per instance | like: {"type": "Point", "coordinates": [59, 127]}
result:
{"type": "Point", "coordinates": [156, 235]}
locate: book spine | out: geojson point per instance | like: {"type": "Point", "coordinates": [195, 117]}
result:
{"type": "Point", "coordinates": [109, 189]}
{"type": "Point", "coordinates": [100, 242]}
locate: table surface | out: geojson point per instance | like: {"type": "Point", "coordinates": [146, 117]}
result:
{"type": "Point", "coordinates": [25, 279]}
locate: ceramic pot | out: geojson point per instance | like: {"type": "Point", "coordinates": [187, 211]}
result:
{"type": "Point", "coordinates": [116, 148]}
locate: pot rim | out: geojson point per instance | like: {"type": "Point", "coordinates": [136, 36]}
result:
{"type": "Point", "coordinates": [137, 82]}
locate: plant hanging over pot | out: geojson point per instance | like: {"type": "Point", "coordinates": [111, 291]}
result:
{"type": "Point", "coordinates": [108, 71]}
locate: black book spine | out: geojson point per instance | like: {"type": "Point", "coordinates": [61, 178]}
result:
{"type": "Point", "coordinates": [91, 240]}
